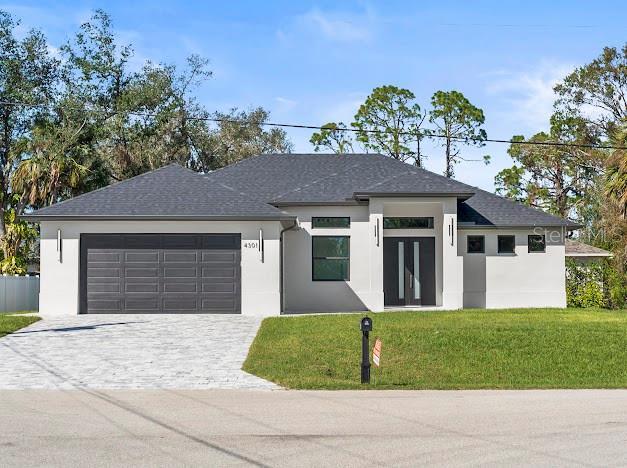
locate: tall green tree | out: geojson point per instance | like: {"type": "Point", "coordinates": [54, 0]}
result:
{"type": "Point", "coordinates": [597, 91]}
{"type": "Point", "coordinates": [142, 118]}
{"type": "Point", "coordinates": [389, 122]}
{"type": "Point", "coordinates": [28, 74]}
{"type": "Point", "coordinates": [238, 135]}
{"type": "Point", "coordinates": [557, 179]}
{"type": "Point", "coordinates": [332, 138]}
{"type": "Point", "coordinates": [456, 121]}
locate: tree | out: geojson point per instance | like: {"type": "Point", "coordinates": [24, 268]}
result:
{"type": "Point", "coordinates": [389, 122]}
{"type": "Point", "coordinates": [616, 173]}
{"type": "Point", "coordinates": [597, 92]}
{"type": "Point", "coordinates": [456, 120]}
{"type": "Point", "coordinates": [142, 119]}
{"type": "Point", "coordinates": [239, 135]}
{"type": "Point", "coordinates": [27, 75]}
{"type": "Point", "coordinates": [338, 141]}
{"type": "Point", "coordinates": [556, 179]}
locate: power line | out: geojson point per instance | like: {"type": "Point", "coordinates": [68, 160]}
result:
{"type": "Point", "coordinates": [423, 133]}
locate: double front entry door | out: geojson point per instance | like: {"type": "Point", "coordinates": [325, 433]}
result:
{"type": "Point", "coordinates": [409, 271]}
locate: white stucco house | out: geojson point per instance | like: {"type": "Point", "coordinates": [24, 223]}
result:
{"type": "Point", "coordinates": [288, 233]}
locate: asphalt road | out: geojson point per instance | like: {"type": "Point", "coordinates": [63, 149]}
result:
{"type": "Point", "coordinates": [289, 428]}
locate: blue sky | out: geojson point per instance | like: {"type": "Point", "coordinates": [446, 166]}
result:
{"type": "Point", "coordinates": [313, 62]}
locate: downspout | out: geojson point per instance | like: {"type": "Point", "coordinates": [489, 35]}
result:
{"type": "Point", "coordinates": [281, 280]}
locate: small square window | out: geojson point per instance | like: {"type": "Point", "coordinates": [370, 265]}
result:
{"type": "Point", "coordinates": [476, 244]}
{"type": "Point", "coordinates": [330, 222]}
{"type": "Point", "coordinates": [506, 244]}
{"type": "Point", "coordinates": [536, 243]}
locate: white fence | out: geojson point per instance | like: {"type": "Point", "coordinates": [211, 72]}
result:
{"type": "Point", "coordinates": [19, 293]}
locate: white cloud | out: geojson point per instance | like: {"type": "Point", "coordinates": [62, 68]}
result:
{"type": "Point", "coordinates": [285, 104]}
{"type": "Point", "coordinates": [528, 96]}
{"type": "Point", "coordinates": [338, 26]}
{"type": "Point", "coordinates": [332, 26]}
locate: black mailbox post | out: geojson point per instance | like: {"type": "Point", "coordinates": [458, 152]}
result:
{"type": "Point", "coordinates": [366, 327]}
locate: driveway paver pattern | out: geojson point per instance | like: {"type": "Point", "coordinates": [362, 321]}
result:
{"type": "Point", "coordinates": [130, 351]}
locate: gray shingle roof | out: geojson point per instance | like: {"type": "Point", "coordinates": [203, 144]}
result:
{"type": "Point", "coordinates": [486, 209]}
{"type": "Point", "coordinates": [332, 178]}
{"type": "Point", "coordinates": [579, 249]}
{"type": "Point", "coordinates": [169, 192]}
{"type": "Point", "coordinates": [252, 188]}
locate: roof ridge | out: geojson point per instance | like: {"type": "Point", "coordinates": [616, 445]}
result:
{"type": "Point", "coordinates": [247, 196]}
{"type": "Point", "coordinates": [315, 181]}
{"type": "Point", "coordinates": [250, 158]}
{"type": "Point", "coordinates": [114, 184]}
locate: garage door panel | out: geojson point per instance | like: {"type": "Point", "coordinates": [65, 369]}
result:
{"type": "Point", "coordinates": [101, 287]}
{"type": "Point", "coordinates": [149, 273]}
{"type": "Point", "coordinates": [228, 287]}
{"type": "Point", "coordinates": [142, 257]}
{"type": "Point", "coordinates": [218, 272]}
{"type": "Point", "coordinates": [141, 287]}
{"type": "Point", "coordinates": [218, 256]}
{"type": "Point", "coordinates": [103, 272]}
{"type": "Point", "coordinates": [104, 257]}
{"type": "Point", "coordinates": [224, 303]}
{"type": "Point", "coordinates": [141, 272]}
{"type": "Point", "coordinates": [180, 272]}
{"type": "Point", "coordinates": [175, 304]}
{"type": "Point", "coordinates": [139, 303]}
{"type": "Point", "coordinates": [179, 257]}
{"type": "Point", "coordinates": [180, 288]}
{"type": "Point", "coordinates": [108, 306]}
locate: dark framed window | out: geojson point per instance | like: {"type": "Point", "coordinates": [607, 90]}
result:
{"type": "Point", "coordinates": [506, 244]}
{"type": "Point", "coordinates": [475, 244]}
{"type": "Point", "coordinates": [408, 223]}
{"type": "Point", "coordinates": [330, 258]}
{"type": "Point", "coordinates": [536, 243]}
{"type": "Point", "coordinates": [330, 222]}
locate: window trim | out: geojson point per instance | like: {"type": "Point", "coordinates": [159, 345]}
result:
{"type": "Point", "coordinates": [348, 275]}
{"type": "Point", "coordinates": [543, 243]}
{"type": "Point", "coordinates": [331, 227]}
{"type": "Point", "coordinates": [468, 244]}
{"type": "Point", "coordinates": [498, 247]}
{"type": "Point", "coordinates": [430, 222]}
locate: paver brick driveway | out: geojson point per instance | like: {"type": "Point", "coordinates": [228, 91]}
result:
{"type": "Point", "coordinates": [130, 351]}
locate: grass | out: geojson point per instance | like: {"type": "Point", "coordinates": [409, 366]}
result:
{"type": "Point", "coordinates": [10, 323]}
{"type": "Point", "coordinates": [470, 349]}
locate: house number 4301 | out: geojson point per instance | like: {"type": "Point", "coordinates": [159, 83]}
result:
{"type": "Point", "coordinates": [251, 245]}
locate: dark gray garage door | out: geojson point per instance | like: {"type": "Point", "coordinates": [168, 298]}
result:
{"type": "Point", "coordinates": [160, 273]}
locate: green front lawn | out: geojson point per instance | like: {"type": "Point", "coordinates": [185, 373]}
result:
{"type": "Point", "coordinates": [534, 348]}
{"type": "Point", "coordinates": [9, 323]}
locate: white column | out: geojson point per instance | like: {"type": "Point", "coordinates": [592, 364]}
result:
{"type": "Point", "coordinates": [374, 301]}
{"type": "Point", "coordinates": [452, 264]}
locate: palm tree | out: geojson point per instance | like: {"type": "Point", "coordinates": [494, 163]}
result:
{"type": "Point", "coordinates": [616, 174]}
{"type": "Point", "coordinates": [52, 170]}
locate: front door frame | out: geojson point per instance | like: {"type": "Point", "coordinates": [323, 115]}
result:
{"type": "Point", "coordinates": [426, 271]}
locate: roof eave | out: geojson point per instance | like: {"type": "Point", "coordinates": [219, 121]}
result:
{"type": "Point", "coordinates": [589, 255]}
{"type": "Point", "coordinates": [367, 195]}
{"type": "Point", "coordinates": [570, 227]}
{"type": "Point", "coordinates": [39, 218]}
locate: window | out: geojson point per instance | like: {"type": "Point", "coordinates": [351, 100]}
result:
{"type": "Point", "coordinates": [330, 222]}
{"type": "Point", "coordinates": [408, 223]}
{"type": "Point", "coordinates": [330, 258]}
{"type": "Point", "coordinates": [536, 243]}
{"type": "Point", "coordinates": [506, 244]}
{"type": "Point", "coordinates": [476, 244]}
